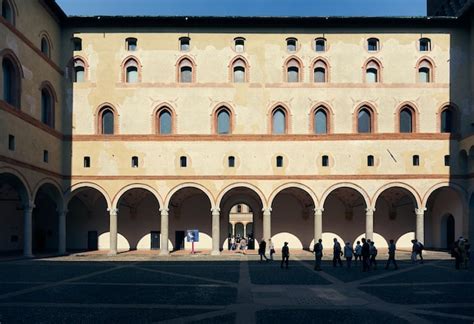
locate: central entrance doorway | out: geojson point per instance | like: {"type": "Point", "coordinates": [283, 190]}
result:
{"type": "Point", "coordinates": [240, 227]}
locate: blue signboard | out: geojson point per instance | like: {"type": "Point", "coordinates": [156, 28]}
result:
{"type": "Point", "coordinates": [192, 235]}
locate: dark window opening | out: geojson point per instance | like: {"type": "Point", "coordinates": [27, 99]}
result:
{"type": "Point", "coordinates": [11, 142]}
{"type": "Point", "coordinates": [183, 161]}
{"type": "Point", "coordinates": [416, 160]}
{"type": "Point", "coordinates": [425, 45]}
{"type": "Point", "coordinates": [370, 160]}
{"type": "Point", "coordinates": [320, 45]}
{"type": "Point", "coordinates": [279, 161]}
{"type": "Point", "coordinates": [134, 161]}
{"type": "Point", "coordinates": [325, 161]}
{"type": "Point", "coordinates": [231, 161]}
{"type": "Point", "coordinates": [291, 45]}
{"type": "Point", "coordinates": [87, 162]}
{"type": "Point", "coordinates": [184, 43]}
{"type": "Point", "coordinates": [373, 44]}
{"type": "Point", "coordinates": [45, 156]}
{"type": "Point", "coordinates": [447, 160]}
{"type": "Point", "coordinates": [77, 42]}
{"type": "Point", "coordinates": [131, 44]}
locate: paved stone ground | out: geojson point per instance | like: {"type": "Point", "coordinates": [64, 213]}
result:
{"type": "Point", "coordinates": [234, 289]}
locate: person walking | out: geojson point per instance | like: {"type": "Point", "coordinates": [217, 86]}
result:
{"type": "Point", "coordinates": [373, 254]}
{"type": "Point", "coordinates": [337, 252]}
{"type": "Point", "coordinates": [318, 254]}
{"type": "Point", "coordinates": [285, 255]}
{"type": "Point", "coordinates": [467, 247]}
{"type": "Point", "coordinates": [419, 250]}
{"type": "Point", "coordinates": [243, 245]}
{"type": "Point", "coordinates": [271, 247]}
{"type": "Point", "coordinates": [261, 250]}
{"type": "Point", "coordinates": [358, 252]}
{"type": "Point", "coordinates": [348, 252]}
{"type": "Point", "coordinates": [365, 255]}
{"type": "Point", "coordinates": [391, 255]}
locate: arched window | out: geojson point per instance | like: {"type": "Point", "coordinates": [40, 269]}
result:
{"type": "Point", "coordinates": [239, 71]}
{"type": "Point", "coordinates": [11, 82]}
{"type": "Point", "coordinates": [416, 160]}
{"type": "Point", "coordinates": [425, 45]}
{"type": "Point", "coordinates": [425, 71]}
{"type": "Point", "coordinates": [320, 44]}
{"type": "Point", "coordinates": [293, 71]}
{"type": "Point", "coordinates": [291, 44]}
{"type": "Point", "coordinates": [107, 121]}
{"type": "Point", "coordinates": [406, 120]}
{"type": "Point", "coordinates": [79, 71]}
{"type": "Point", "coordinates": [364, 120]}
{"type": "Point", "coordinates": [45, 46]}
{"type": "Point", "coordinates": [320, 121]}
{"type": "Point", "coordinates": [183, 161]}
{"type": "Point", "coordinates": [373, 45]}
{"type": "Point", "coordinates": [184, 44]}
{"type": "Point", "coordinates": [320, 71]}
{"type": "Point", "coordinates": [447, 120]}
{"type": "Point", "coordinates": [223, 121]}
{"type": "Point", "coordinates": [131, 71]}
{"type": "Point", "coordinates": [231, 162]}
{"type": "Point", "coordinates": [7, 12]}
{"type": "Point", "coordinates": [279, 121]}
{"type": "Point", "coordinates": [47, 107]}
{"type": "Point", "coordinates": [134, 161]}
{"type": "Point", "coordinates": [372, 72]}
{"type": "Point", "coordinates": [279, 161]}
{"type": "Point", "coordinates": [325, 161]}
{"type": "Point", "coordinates": [370, 161]}
{"type": "Point", "coordinates": [165, 122]}
{"type": "Point", "coordinates": [185, 71]}
{"type": "Point", "coordinates": [239, 44]}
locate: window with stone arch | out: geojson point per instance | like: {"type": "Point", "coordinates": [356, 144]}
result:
{"type": "Point", "coordinates": [164, 121]}
{"type": "Point", "coordinates": [365, 120]}
{"type": "Point", "coordinates": [372, 71]}
{"type": "Point", "coordinates": [448, 120]}
{"type": "Point", "coordinates": [45, 46]}
{"type": "Point", "coordinates": [239, 70]}
{"type": "Point", "coordinates": [8, 11]}
{"type": "Point", "coordinates": [131, 70]}
{"type": "Point", "coordinates": [79, 70]}
{"type": "Point", "coordinates": [186, 71]}
{"type": "Point", "coordinates": [106, 120]}
{"type": "Point", "coordinates": [407, 120]}
{"type": "Point", "coordinates": [320, 71]}
{"type": "Point", "coordinates": [223, 121]}
{"type": "Point", "coordinates": [47, 105]}
{"type": "Point", "coordinates": [425, 70]}
{"type": "Point", "coordinates": [279, 121]}
{"type": "Point", "coordinates": [293, 70]}
{"type": "Point", "coordinates": [12, 75]}
{"type": "Point", "coordinates": [320, 122]}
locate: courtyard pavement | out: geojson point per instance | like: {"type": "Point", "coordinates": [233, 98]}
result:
{"type": "Point", "coordinates": [85, 288]}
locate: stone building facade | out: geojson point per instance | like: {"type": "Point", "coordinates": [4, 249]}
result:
{"type": "Point", "coordinates": [124, 132]}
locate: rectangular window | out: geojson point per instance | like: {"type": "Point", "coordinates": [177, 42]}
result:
{"type": "Point", "coordinates": [87, 162]}
{"type": "Point", "coordinates": [77, 44]}
{"type": "Point", "coordinates": [231, 161]}
{"type": "Point", "coordinates": [325, 161]}
{"type": "Point", "coordinates": [370, 160]}
{"type": "Point", "coordinates": [279, 161]}
{"type": "Point", "coordinates": [135, 162]}
{"type": "Point", "coordinates": [184, 44]}
{"type": "Point", "coordinates": [447, 160]}
{"type": "Point", "coordinates": [132, 44]}
{"type": "Point", "coordinates": [45, 156]}
{"type": "Point", "coordinates": [11, 142]}
{"type": "Point", "coordinates": [183, 161]}
{"type": "Point", "coordinates": [416, 160]}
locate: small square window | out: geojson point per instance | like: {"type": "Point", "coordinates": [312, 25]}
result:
{"type": "Point", "coordinates": [447, 160]}
{"type": "Point", "coordinates": [231, 162]}
{"type": "Point", "coordinates": [184, 44]}
{"type": "Point", "coordinates": [320, 45]}
{"type": "Point", "coordinates": [11, 142]}
{"type": "Point", "coordinates": [425, 45]}
{"type": "Point", "coordinates": [372, 44]}
{"type": "Point", "coordinates": [370, 160]}
{"type": "Point", "coordinates": [291, 44]}
{"type": "Point", "coordinates": [45, 156]}
{"type": "Point", "coordinates": [134, 161]}
{"type": "Point", "coordinates": [239, 45]}
{"type": "Point", "coordinates": [77, 43]}
{"type": "Point", "coordinates": [279, 161]}
{"type": "Point", "coordinates": [183, 162]}
{"type": "Point", "coordinates": [325, 161]}
{"type": "Point", "coordinates": [87, 162]}
{"type": "Point", "coordinates": [416, 160]}
{"type": "Point", "coordinates": [132, 44]}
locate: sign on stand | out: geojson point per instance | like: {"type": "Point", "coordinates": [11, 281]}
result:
{"type": "Point", "coordinates": [192, 236]}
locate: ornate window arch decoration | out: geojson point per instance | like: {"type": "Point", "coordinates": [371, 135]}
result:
{"type": "Point", "coordinates": [78, 69]}
{"type": "Point", "coordinates": [327, 110]}
{"type": "Point", "coordinates": [48, 104]}
{"type": "Point", "coordinates": [320, 70]}
{"type": "Point", "coordinates": [186, 70]}
{"type": "Point", "coordinates": [46, 45]}
{"type": "Point", "coordinates": [415, 113]}
{"type": "Point", "coordinates": [425, 70]}
{"type": "Point", "coordinates": [131, 70]}
{"type": "Point", "coordinates": [372, 71]}
{"type": "Point", "coordinates": [274, 115]}
{"type": "Point", "coordinates": [219, 112]}
{"type": "Point", "coordinates": [164, 110]}
{"type": "Point", "coordinates": [238, 68]}
{"type": "Point", "coordinates": [372, 111]}
{"type": "Point", "coordinates": [451, 123]}
{"type": "Point", "coordinates": [293, 68]}
{"type": "Point", "coordinates": [13, 71]}
{"type": "Point", "coordinates": [100, 112]}
{"type": "Point", "coordinates": [9, 11]}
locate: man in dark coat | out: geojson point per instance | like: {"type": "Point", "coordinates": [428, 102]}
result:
{"type": "Point", "coordinates": [337, 249]}
{"type": "Point", "coordinates": [318, 254]}
{"type": "Point", "coordinates": [391, 255]}
{"type": "Point", "coordinates": [285, 255]}
{"type": "Point", "coordinates": [261, 250]}
{"type": "Point", "coordinates": [365, 255]}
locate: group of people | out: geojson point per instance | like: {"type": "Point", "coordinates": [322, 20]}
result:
{"type": "Point", "coordinates": [240, 244]}
{"type": "Point", "coordinates": [461, 251]}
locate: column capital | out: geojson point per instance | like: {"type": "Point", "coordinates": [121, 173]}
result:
{"type": "Point", "coordinates": [420, 211]}
{"type": "Point", "coordinates": [62, 212]}
{"type": "Point", "coordinates": [370, 210]}
{"type": "Point", "coordinates": [113, 211]}
{"type": "Point", "coordinates": [318, 210]}
{"type": "Point", "coordinates": [215, 211]}
{"type": "Point", "coordinates": [267, 210]}
{"type": "Point", "coordinates": [29, 206]}
{"type": "Point", "coordinates": [164, 211]}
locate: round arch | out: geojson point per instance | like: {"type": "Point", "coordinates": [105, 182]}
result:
{"type": "Point", "coordinates": [58, 194]}
{"type": "Point", "coordinates": [460, 190]}
{"type": "Point", "coordinates": [143, 186]}
{"type": "Point", "coordinates": [86, 185]}
{"type": "Point", "coordinates": [23, 184]}
{"type": "Point", "coordinates": [245, 185]}
{"type": "Point", "coordinates": [409, 188]}
{"type": "Point", "coordinates": [303, 187]}
{"type": "Point", "coordinates": [198, 186]}
{"type": "Point", "coordinates": [357, 188]}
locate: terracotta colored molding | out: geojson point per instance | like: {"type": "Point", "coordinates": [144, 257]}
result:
{"type": "Point", "coordinates": [29, 166]}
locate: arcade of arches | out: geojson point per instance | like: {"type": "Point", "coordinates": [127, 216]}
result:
{"type": "Point", "coordinates": [49, 219]}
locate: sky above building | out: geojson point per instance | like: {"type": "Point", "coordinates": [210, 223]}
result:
{"type": "Point", "coordinates": [244, 7]}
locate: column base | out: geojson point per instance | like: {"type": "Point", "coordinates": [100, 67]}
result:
{"type": "Point", "coordinates": [112, 253]}
{"type": "Point", "coordinates": [215, 253]}
{"type": "Point", "coordinates": [28, 256]}
{"type": "Point", "coordinates": [164, 252]}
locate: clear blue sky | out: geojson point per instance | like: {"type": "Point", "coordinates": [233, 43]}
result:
{"type": "Point", "coordinates": [245, 7]}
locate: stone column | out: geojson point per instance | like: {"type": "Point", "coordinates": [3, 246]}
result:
{"type": "Point", "coordinates": [369, 223]}
{"type": "Point", "coordinates": [267, 225]}
{"type": "Point", "coordinates": [233, 229]}
{"type": "Point", "coordinates": [420, 224]}
{"type": "Point", "coordinates": [215, 231]}
{"type": "Point", "coordinates": [28, 230]}
{"type": "Point", "coordinates": [164, 230]}
{"type": "Point", "coordinates": [318, 224]}
{"type": "Point", "coordinates": [62, 232]}
{"type": "Point", "coordinates": [245, 229]}
{"type": "Point", "coordinates": [113, 231]}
